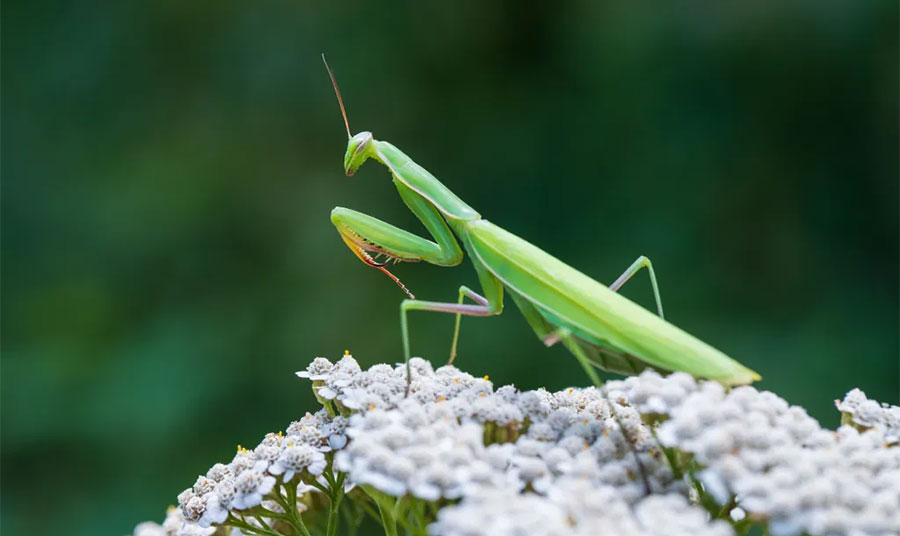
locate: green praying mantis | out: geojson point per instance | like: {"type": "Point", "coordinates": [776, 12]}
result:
{"type": "Point", "coordinates": [601, 328]}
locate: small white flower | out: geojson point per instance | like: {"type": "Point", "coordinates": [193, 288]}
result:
{"type": "Point", "coordinates": [244, 460]}
{"type": "Point", "coordinates": [358, 398]}
{"type": "Point", "coordinates": [319, 369]}
{"type": "Point", "coordinates": [542, 431]}
{"type": "Point", "coordinates": [251, 485]}
{"type": "Point", "coordinates": [307, 434]}
{"type": "Point", "coordinates": [297, 458]}
{"type": "Point", "coordinates": [336, 431]}
{"type": "Point", "coordinates": [219, 472]}
{"type": "Point", "coordinates": [194, 508]}
{"type": "Point", "coordinates": [326, 392]}
{"type": "Point", "coordinates": [266, 454]}
{"type": "Point", "coordinates": [218, 504]}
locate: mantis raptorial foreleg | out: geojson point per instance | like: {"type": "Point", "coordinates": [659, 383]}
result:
{"type": "Point", "coordinates": [365, 234]}
{"type": "Point", "coordinates": [379, 236]}
{"type": "Point", "coordinates": [641, 262]}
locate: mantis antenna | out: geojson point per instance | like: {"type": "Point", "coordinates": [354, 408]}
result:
{"type": "Point", "coordinates": [338, 93]}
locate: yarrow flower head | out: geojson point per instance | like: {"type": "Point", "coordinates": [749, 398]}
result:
{"type": "Point", "coordinates": [780, 465]}
{"type": "Point", "coordinates": [647, 455]}
{"type": "Point", "coordinates": [864, 414]}
{"type": "Point", "coordinates": [295, 458]}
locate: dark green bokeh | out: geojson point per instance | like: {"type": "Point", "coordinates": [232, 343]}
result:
{"type": "Point", "coordinates": [169, 167]}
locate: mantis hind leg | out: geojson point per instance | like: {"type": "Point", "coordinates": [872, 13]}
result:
{"type": "Point", "coordinates": [573, 345]}
{"type": "Point", "coordinates": [641, 262]}
{"type": "Point", "coordinates": [550, 335]}
{"type": "Point", "coordinates": [595, 352]}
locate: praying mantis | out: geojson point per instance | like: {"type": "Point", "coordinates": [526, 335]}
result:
{"type": "Point", "coordinates": [600, 327]}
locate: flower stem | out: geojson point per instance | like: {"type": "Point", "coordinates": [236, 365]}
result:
{"type": "Point", "coordinates": [246, 527]}
{"type": "Point", "coordinates": [386, 505]}
{"type": "Point", "coordinates": [337, 494]}
{"type": "Point", "coordinates": [353, 517]}
{"type": "Point", "coordinates": [262, 522]}
{"type": "Point", "coordinates": [387, 519]}
{"type": "Point", "coordinates": [368, 510]}
{"type": "Point", "coordinates": [292, 511]}
{"type": "Point", "coordinates": [670, 455]}
{"type": "Point", "coordinates": [419, 512]}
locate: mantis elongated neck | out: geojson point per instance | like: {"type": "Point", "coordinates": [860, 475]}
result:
{"type": "Point", "coordinates": [422, 182]}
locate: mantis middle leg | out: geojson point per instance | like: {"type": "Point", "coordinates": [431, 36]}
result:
{"type": "Point", "coordinates": [488, 305]}
{"type": "Point", "coordinates": [464, 291]}
{"type": "Point", "coordinates": [641, 262]}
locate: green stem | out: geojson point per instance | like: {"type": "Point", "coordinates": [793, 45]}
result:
{"type": "Point", "coordinates": [385, 509]}
{"type": "Point", "coordinates": [677, 472]}
{"type": "Point", "coordinates": [296, 522]}
{"type": "Point", "coordinates": [403, 507]}
{"type": "Point", "coordinates": [335, 498]}
{"type": "Point", "coordinates": [419, 512]}
{"type": "Point", "coordinates": [410, 527]}
{"type": "Point", "coordinates": [706, 500]}
{"type": "Point", "coordinates": [328, 477]}
{"type": "Point", "coordinates": [260, 511]}
{"type": "Point", "coordinates": [246, 527]}
{"type": "Point", "coordinates": [387, 520]}
{"type": "Point", "coordinates": [368, 510]}
{"type": "Point", "coordinates": [725, 511]}
{"type": "Point", "coordinates": [352, 518]}
{"type": "Point", "coordinates": [320, 487]}
{"type": "Point", "coordinates": [262, 522]}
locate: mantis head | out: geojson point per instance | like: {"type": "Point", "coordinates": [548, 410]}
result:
{"type": "Point", "coordinates": [359, 149]}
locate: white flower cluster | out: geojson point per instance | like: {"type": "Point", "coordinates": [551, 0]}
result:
{"type": "Point", "coordinates": [781, 466]}
{"type": "Point", "coordinates": [648, 455]}
{"type": "Point", "coordinates": [651, 393]}
{"type": "Point", "coordinates": [864, 413]}
{"type": "Point", "coordinates": [456, 437]}
{"type": "Point", "coordinates": [575, 507]}
{"type": "Point", "coordinates": [251, 475]}
{"type": "Point", "coordinates": [455, 433]}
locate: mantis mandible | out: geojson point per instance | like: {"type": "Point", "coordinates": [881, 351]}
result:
{"type": "Point", "coordinates": [597, 325]}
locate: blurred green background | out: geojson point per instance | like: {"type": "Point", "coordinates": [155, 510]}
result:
{"type": "Point", "coordinates": [169, 167]}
